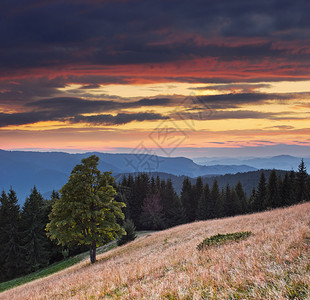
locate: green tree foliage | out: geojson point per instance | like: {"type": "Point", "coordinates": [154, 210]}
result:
{"type": "Point", "coordinates": [130, 235]}
{"type": "Point", "coordinates": [34, 238]}
{"type": "Point", "coordinates": [86, 212]}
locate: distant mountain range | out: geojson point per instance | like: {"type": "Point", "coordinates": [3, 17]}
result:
{"type": "Point", "coordinates": [282, 162]}
{"type": "Point", "coordinates": [50, 170]}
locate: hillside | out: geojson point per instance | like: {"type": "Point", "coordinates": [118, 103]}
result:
{"type": "Point", "coordinates": [273, 263]}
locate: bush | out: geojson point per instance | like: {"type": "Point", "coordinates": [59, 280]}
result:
{"type": "Point", "coordinates": [220, 239]}
{"type": "Point", "coordinates": [130, 229]}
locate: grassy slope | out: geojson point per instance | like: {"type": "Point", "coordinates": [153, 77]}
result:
{"type": "Point", "coordinates": [273, 263]}
{"type": "Point", "coordinates": [54, 268]}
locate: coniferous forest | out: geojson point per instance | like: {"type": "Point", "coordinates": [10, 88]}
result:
{"type": "Point", "coordinates": [151, 204]}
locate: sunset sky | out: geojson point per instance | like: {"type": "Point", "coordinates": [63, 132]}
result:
{"type": "Point", "coordinates": [192, 78]}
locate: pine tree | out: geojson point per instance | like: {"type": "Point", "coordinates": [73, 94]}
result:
{"type": "Point", "coordinates": [204, 203]}
{"type": "Point", "coordinates": [4, 209]}
{"type": "Point", "coordinates": [197, 193]}
{"type": "Point", "coordinates": [186, 197]}
{"type": "Point", "coordinates": [242, 199]}
{"type": "Point", "coordinates": [228, 205]}
{"type": "Point", "coordinates": [215, 208]}
{"type": "Point", "coordinates": [34, 238]}
{"type": "Point", "coordinates": [287, 194]}
{"type": "Point", "coordinates": [301, 179]}
{"type": "Point", "coordinates": [152, 216]}
{"type": "Point", "coordinates": [12, 246]}
{"type": "Point", "coordinates": [140, 192]}
{"type": "Point", "coordinates": [308, 189]}
{"type": "Point", "coordinates": [252, 200]}
{"type": "Point", "coordinates": [172, 207]}
{"type": "Point", "coordinates": [153, 188]}
{"type": "Point", "coordinates": [235, 203]}
{"type": "Point", "coordinates": [280, 202]}
{"type": "Point", "coordinates": [260, 199]}
{"type": "Point", "coordinates": [272, 196]}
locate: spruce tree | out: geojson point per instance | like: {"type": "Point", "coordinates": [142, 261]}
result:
{"type": "Point", "coordinates": [186, 198]}
{"type": "Point", "coordinates": [272, 196]}
{"type": "Point", "coordinates": [4, 209]}
{"type": "Point", "coordinates": [260, 199]}
{"type": "Point", "coordinates": [252, 200]}
{"type": "Point", "coordinates": [242, 199]}
{"type": "Point", "coordinates": [203, 203]}
{"type": "Point", "coordinates": [215, 208]}
{"type": "Point", "coordinates": [235, 203]}
{"type": "Point", "coordinates": [172, 206]}
{"type": "Point", "coordinates": [12, 245]}
{"type": "Point", "coordinates": [228, 205]}
{"type": "Point", "coordinates": [152, 216]}
{"type": "Point", "coordinates": [34, 237]}
{"type": "Point", "coordinates": [301, 179]}
{"type": "Point", "coordinates": [287, 195]}
{"type": "Point", "coordinates": [140, 192]}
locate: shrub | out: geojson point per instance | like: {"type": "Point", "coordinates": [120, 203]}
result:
{"type": "Point", "coordinates": [220, 239]}
{"type": "Point", "coordinates": [130, 229]}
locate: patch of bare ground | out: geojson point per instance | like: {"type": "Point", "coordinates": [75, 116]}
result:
{"type": "Point", "coordinates": [272, 263]}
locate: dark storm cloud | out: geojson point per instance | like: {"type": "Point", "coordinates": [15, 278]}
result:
{"type": "Point", "coordinates": [246, 88]}
{"type": "Point", "coordinates": [107, 119]}
{"type": "Point", "coordinates": [72, 109]}
{"type": "Point", "coordinates": [80, 106]}
{"type": "Point", "coordinates": [240, 115]}
{"type": "Point", "coordinates": [234, 100]}
{"type": "Point", "coordinates": [61, 33]}
{"type": "Point", "coordinates": [119, 119]}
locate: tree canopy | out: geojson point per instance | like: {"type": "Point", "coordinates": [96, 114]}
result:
{"type": "Point", "coordinates": [86, 213]}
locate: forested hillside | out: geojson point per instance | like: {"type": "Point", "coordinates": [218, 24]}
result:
{"type": "Point", "coordinates": [151, 203]}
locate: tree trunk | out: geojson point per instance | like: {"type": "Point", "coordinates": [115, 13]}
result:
{"type": "Point", "coordinates": [92, 252]}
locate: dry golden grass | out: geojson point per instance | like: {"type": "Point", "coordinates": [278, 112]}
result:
{"type": "Point", "coordinates": [273, 263]}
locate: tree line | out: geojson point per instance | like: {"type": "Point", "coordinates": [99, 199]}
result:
{"type": "Point", "coordinates": [151, 204]}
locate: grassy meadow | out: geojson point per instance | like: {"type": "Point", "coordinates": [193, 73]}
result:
{"type": "Point", "coordinates": [271, 263]}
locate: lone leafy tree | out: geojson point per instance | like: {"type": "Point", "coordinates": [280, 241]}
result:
{"type": "Point", "coordinates": [86, 213]}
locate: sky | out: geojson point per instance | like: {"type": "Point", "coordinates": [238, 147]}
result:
{"type": "Point", "coordinates": [192, 78]}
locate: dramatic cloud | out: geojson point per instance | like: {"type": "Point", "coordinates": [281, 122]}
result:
{"type": "Point", "coordinates": [118, 119]}
{"type": "Point", "coordinates": [239, 115]}
{"type": "Point", "coordinates": [65, 33]}
{"type": "Point", "coordinates": [90, 67]}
